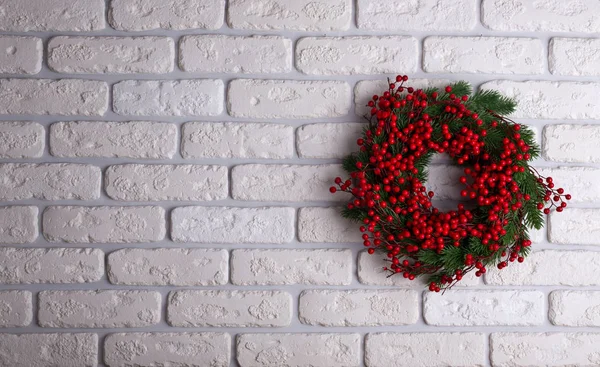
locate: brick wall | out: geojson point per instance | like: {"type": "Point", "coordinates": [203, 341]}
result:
{"type": "Point", "coordinates": [164, 167]}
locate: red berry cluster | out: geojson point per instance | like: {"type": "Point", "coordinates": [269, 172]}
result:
{"type": "Point", "coordinates": [396, 209]}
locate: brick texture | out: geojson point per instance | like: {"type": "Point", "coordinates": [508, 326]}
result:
{"type": "Point", "coordinates": [287, 98]}
{"type": "Point", "coordinates": [552, 349]}
{"type": "Point", "coordinates": [21, 139]}
{"type": "Point", "coordinates": [188, 182]}
{"type": "Point", "coordinates": [425, 349]}
{"type": "Point", "coordinates": [285, 182]}
{"type": "Point", "coordinates": [315, 349]}
{"type": "Point", "coordinates": [358, 307]}
{"type": "Point", "coordinates": [23, 55]}
{"type": "Point", "coordinates": [461, 55]}
{"type": "Point", "coordinates": [356, 55]}
{"type": "Point", "coordinates": [52, 181]}
{"type": "Point", "coordinates": [539, 269]}
{"type": "Point", "coordinates": [232, 225]}
{"type": "Point", "coordinates": [52, 15]}
{"type": "Point", "coordinates": [50, 265]}
{"type": "Point", "coordinates": [467, 308]}
{"type": "Point", "coordinates": [574, 56]}
{"type": "Point", "coordinates": [155, 349]}
{"type": "Point", "coordinates": [98, 309]}
{"type": "Point", "coordinates": [59, 349]}
{"type": "Point", "coordinates": [301, 15]}
{"type": "Point", "coordinates": [168, 266]}
{"type": "Point", "coordinates": [114, 55]}
{"type": "Point", "coordinates": [282, 267]}
{"type": "Point", "coordinates": [104, 224]}
{"type": "Point", "coordinates": [53, 97]}
{"type": "Point", "coordinates": [165, 168]}
{"type": "Point", "coordinates": [237, 140]}
{"type": "Point", "coordinates": [166, 14]}
{"type": "Point", "coordinates": [168, 98]}
{"type": "Point", "coordinates": [553, 16]}
{"type": "Point", "coordinates": [224, 54]}
{"type": "Point", "coordinates": [229, 309]}
{"type": "Point", "coordinates": [17, 308]}
{"type": "Point", "coordinates": [426, 15]}
{"type": "Point", "coordinates": [18, 224]}
{"type": "Point", "coordinates": [135, 139]}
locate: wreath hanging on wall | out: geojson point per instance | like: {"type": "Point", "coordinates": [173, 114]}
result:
{"type": "Point", "coordinates": [505, 197]}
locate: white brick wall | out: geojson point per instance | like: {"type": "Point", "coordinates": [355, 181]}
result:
{"type": "Point", "coordinates": [245, 55]}
{"type": "Point", "coordinates": [98, 309]}
{"type": "Point", "coordinates": [156, 349]}
{"type": "Point", "coordinates": [425, 349]}
{"type": "Point", "coordinates": [164, 176]}
{"type": "Point", "coordinates": [229, 309]}
{"type": "Point", "coordinates": [132, 139]}
{"type": "Point", "coordinates": [114, 55]}
{"type": "Point", "coordinates": [23, 55]}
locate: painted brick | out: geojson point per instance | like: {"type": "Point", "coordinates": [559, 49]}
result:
{"type": "Point", "coordinates": [548, 349]}
{"type": "Point", "coordinates": [134, 139]}
{"type": "Point", "coordinates": [23, 55]}
{"type": "Point", "coordinates": [424, 15]}
{"type": "Point", "coordinates": [540, 267]}
{"type": "Point", "coordinates": [49, 349]}
{"type": "Point", "coordinates": [293, 99]}
{"type": "Point", "coordinates": [16, 308]}
{"type": "Point", "coordinates": [571, 143]}
{"type": "Point", "coordinates": [370, 272]}
{"type": "Point", "coordinates": [550, 100]}
{"type": "Point", "coordinates": [18, 224]}
{"type": "Point", "coordinates": [111, 55]}
{"type": "Point", "coordinates": [580, 182]}
{"type": "Point", "coordinates": [286, 182]}
{"type": "Point", "coordinates": [167, 349]}
{"type": "Point", "coordinates": [155, 182]}
{"type": "Point", "coordinates": [365, 89]}
{"type": "Point", "coordinates": [328, 140]}
{"type": "Point", "coordinates": [50, 265]}
{"type": "Point", "coordinates": [575, 227]}
{"type": "Point", "coordinates": [300, 15]}
{"type": "Point", "coordinates": [104, 224]}
{"type": "Point", "coordinates": [444, 181]}
{"type": "Point", "coordinates": [551, 15]}
{"type": "Point", "coordinates": [356, 55]}
{"type": "Point", "coordinates": [331, 308]}
{"type": "Point", "coordinates": [49, 181]}
{"type": "Point", "coordinates": [283, 267]}
{"type": "Point", "coordinates": [319, 224]}
{"type": "Point", "coordinates": [192, 308]}
{"type": "Point", "coordinates": [52, 15]}
{"type": "Point", "coordinates": [237, 140]}
{"type": "Point", "coordinates": [575, 308]}
{"type": "Point", "coordinates": [168, 266]}
{"type": "Point", "coordinates": [574, 56]}
{"type": "Point", "coordinates": [484, 308]}
{"type": "Point", "coordinates": [505, 56]}
{"type": "Point", "coordinates": [166, 14]}
{"type": "Point", "coordinates": [53, 97]}
{"type": "Point", "coordinates": [232, 225]}
{"type": "Point", "coordinates": [298, 350]}
{"type": "Point", "coordinates": [231, 54]}
{"type": "Point", "coordinates": [425, 349]}
{"type": "Point", "coordinates": [98, 309]}
{"type": "Point", "coordinates": [20, 139]}
{"type": "Point", "coordinates": [199, 97]}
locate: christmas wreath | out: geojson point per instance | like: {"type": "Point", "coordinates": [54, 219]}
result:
{"type": "Point", "coordinates": [504, 196]}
